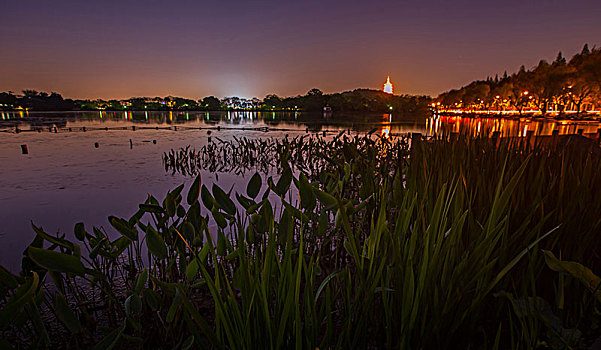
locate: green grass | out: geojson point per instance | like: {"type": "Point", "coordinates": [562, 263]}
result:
{"type": "Point", "coordinates": [445, 245]}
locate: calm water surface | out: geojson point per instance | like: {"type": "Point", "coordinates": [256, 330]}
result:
{"type": "Point", "coordinates": [65, 179]}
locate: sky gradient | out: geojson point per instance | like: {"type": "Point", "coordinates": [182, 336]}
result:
{"type": "Point", "coordinates": [122, 49]}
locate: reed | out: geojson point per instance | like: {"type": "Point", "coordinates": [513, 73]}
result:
{"type": "Point", "coordinates": [447, 244]}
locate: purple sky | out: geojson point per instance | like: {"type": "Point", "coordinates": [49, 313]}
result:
{"type": "Point", "coordinates": [120, 49]}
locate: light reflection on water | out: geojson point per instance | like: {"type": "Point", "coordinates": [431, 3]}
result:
{"type": "Point", "coordinates": [507, 127]}
{"type": "Point", "coordinates": [65, 179]}
{"type": "Point", "coordinates": [298, 120]}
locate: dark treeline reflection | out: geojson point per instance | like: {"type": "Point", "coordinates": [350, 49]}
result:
{"type": "Point", "coordinates": [230, 119]}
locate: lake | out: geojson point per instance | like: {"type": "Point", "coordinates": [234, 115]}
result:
{"type": "Point", "coordinates": [71, 175]}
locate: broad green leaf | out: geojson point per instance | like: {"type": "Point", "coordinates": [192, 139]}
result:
{"type": "Point", "coordinates": [134, 219]}
{"type": "Point", "coordinates": [307, 197]}
{"type": "Point", "coordinates": [178, 190]}
{"type": "Point", "coordinates": [284, 182]}
{"type": "Point", "coordinates": [133, 305]}
{"type": "Point", "coordinates": [245, 202]}
{"type": "Point", "coordinates": [192, 269]}
{"type": "Point", "coordinates": [224, 200]}
{"type": "Point", "coordinates": [121, 244]}
{"type": "Point", "coordinates": [141, 281]}
{"type": "Point", "coordinates": [55, 240]}
{"type": "Point", "coordinates": [252, 208]}
{"type": "Point", "coordinates": [80, 231]}
{"type": "Point", "coordinates": [123, 228]}
{"type": "Point", "coordinates": [254, 186]}
{"type": "Point", "coordinates": [576, 270]}
{"type": "Point", "coordinates": [152, 208]}
{"type": "Point", "coordinates": [219, 219]}
{"type": "Point", "coordinates": [207, 198]}
{"type": "Point", "coordinates": [152, 298]}
{"type": "Point", "coordinates": [55, 261]}
{"type": "Point", "coordinates": [65, 314]}
{"type": "Point", "coordinates": [24, 294]}
{"type": "Point", "coordinates": [155, 243]}
{"type": "Point", "coordinates": [94, 252]}
{"type": "Point", "coordinates": [326, 199]}
{"type": "Point", "coordinates": [181, 211]}
{"type": "Point", "coordinates": [295, 212]}
{"type": "Point", "coordinates": [169, 204]}
{"type": "Point", "coordinates": [264, 220]}
{"type": "Point", "coordinates": [194, 191]}
{"type": "Point", "coordinates": [188, 230]}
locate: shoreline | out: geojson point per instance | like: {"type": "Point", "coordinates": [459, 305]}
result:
{"type": "Point", "coordinates": [584, 117]}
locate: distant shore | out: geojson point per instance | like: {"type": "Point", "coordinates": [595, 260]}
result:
{"type": "Point", "coordinates": [593, 117]}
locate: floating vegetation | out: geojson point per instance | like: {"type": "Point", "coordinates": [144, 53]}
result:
{"type": "Point", "coordinates": [470, 243]}
{"type": "Point", "coordinates": [309, 154]}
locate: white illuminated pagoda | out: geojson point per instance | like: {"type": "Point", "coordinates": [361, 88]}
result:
{"type": "Point", "coordinates": [388, 86]}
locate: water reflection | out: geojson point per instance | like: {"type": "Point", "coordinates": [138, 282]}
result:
{"type": "Point", "coordinates": [105, 163]}
{"type": "Point", "coordinates": [385, 132]}
{"type": "Point", "coordinates": [506, 127]}
{"type": "Point", "coordinates": [70, 175]}
{"type": "Point", "coordinates": [295, 121]}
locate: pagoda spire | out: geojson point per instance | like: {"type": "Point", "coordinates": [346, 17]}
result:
{"type": "Point", "coordinates": [387, 86]}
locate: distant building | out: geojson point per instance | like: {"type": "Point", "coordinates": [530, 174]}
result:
{"type": "Point", "coordinates": [387, 86]}
{"type": "Point", "coordinates": [241, 103]}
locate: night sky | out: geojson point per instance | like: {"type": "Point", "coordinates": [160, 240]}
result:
{"type": "Point", "coordinates": [121, 49]}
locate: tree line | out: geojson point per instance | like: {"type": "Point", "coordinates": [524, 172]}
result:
{"type": "Point", "coordinates": [34, 100]}
{"type": "Point", "coordinates": [359, 100]}
{"type": "Point", "coordinates": [559, 87]}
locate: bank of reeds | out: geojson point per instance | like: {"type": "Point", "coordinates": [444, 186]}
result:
{"type": "Point", "coordinates": [472, 243]}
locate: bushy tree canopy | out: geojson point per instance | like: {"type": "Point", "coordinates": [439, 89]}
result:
{"type": "Point", "coordinates": [556, 86]}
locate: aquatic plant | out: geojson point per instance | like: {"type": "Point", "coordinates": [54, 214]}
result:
{"type": "Point", "coordinates": [437, 246]}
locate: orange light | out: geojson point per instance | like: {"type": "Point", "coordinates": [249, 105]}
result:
{"type": "Point", "coordinates": [386, 132]}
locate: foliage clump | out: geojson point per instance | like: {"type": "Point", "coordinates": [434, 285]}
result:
{"type": "Point", "coordinates": [449, 244]}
